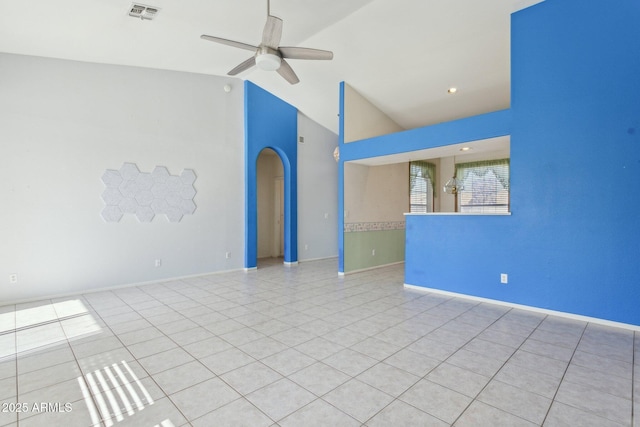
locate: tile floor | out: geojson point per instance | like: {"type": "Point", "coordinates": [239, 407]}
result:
{"type": "Point", "coordinates": [302, 347]}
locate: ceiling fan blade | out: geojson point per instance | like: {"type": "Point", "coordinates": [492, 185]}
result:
{"type": "Point", "coordinates": [286, 71]}
{"type": "Point", "coordinates": [305, 53]}
{"type": "Point", "coordinates": [229, 42]}
{"type": "Point", "coordinates": [243, 67]}
{"type": "Point", "coordinates": [272, 32]}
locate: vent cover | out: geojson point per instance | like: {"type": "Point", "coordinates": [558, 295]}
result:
{"type": "Point", "coordinates": [142, 11]}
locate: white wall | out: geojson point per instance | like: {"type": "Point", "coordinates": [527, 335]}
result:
{"type": "Point", "coordinates": [376, 193]}
{"type": "Point", "coordinates": [317, 191]}
{"type": "Point", "coordinates": [62, 124]}
{"type": "Point", "coordinates": [363, 119]}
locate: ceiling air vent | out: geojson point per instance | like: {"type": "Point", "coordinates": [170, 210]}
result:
{"type": "Point", "coordinates": [142, 11]}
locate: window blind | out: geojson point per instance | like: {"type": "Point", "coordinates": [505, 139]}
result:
{"type": "Point", "coordinates": [422, 177]}
{"type": "Point", "coordinates": [486, 186]}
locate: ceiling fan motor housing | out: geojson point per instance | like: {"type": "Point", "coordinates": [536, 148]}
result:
{"type": "Point", "coordinates": [268, 59]}
{"type": "Point", "coordinates": [269, 55]}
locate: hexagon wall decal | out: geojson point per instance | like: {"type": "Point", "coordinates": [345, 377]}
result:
{"type": "Point", "coordinates": [145, 214]}
{"type": "Point", "coordinates": [111, 178]}
{"type": "Point", "coordinates": [111, 213]}
{"type": "Point", "coordinates": [147, 194]}
{"type": "Point", "coordinates": [160, 174]}
{"type": "Point", "coordinates": [188, 176]}
{"type": "Point", "coordinates": [129, 171]}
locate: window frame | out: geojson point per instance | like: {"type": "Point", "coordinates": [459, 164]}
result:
{"type": "Point", "coordinates": [427, 171]}
{"type": "Point", "coordinates": [497, 167]}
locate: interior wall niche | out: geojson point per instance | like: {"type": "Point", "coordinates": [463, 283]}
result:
{"type": "Point", "coordinates": [144, 194]}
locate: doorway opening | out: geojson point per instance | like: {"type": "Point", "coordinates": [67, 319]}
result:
{"type": "Point", "coordinates": [270, 208]}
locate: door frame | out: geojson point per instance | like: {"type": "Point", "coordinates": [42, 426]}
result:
{"type": "Point", "coordinates": [277, 249]}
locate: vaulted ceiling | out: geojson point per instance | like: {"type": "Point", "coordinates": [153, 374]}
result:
{"type": "Point", "coordinates": [402, 55]}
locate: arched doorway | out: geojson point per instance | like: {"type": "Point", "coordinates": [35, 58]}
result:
{"type": "Point", "coordinates": [270, 205]}
{"type": "Point", "coordinates": [270, 123]}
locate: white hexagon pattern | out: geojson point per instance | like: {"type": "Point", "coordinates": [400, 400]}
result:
{"type": "Point", "coordinates": [147, 194]}
{"type": "Point", "coordinates": [111, 213]}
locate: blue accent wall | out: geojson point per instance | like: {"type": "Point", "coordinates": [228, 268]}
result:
{"type": "Point", "coordinates": [572, 243]}
{"type": "Point", "coordinates": [483, 126]}
{"type": "Point", "coordinates": [270, 123]}
{"type": "Point", "coordinates": [479, 127]}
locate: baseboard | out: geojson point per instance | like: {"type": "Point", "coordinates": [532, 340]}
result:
{"type": "Point", "coordinates": [566, 315]}
{"type": "Point", "coordinates": [375, 267]}
{"type": "Point", "coordinates": [133, 285]}
{"type": "Point", "coordinates": [116, 287]}
{"type": "Point", "coordinates": [318, 259]}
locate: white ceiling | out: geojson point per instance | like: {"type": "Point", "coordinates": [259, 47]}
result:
{"type": "Point", "coordinates": [402, 55]}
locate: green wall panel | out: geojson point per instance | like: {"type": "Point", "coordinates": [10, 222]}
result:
{"type": "Point", "coordinates": [358, 247]}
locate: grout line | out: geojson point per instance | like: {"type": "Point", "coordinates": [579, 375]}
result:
{"type": "Point", "coordinates": [498, 370]}
{"type": "Point", "coordinates": [361, 298]}
{"type": "Point", "coordinates": [15, 356]}
{"type": "Point", "coordinates": [82, 379]}
{"type": "Point", "coordinates": [633, 377]}
{"type": "Point", "coordinates": [555, 313]}
{"type": "Point", "coordinates": [451, 355]}
{"type": "Point", "coordinates": [553, 399]}
{"type": "Point", "coordinates": [432, 369]}
{"type": "Point", "coordinates": [43, 323]}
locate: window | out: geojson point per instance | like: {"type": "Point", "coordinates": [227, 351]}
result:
{"type": "Point", "coordinates": [486, 186]}
{"type": "Point", "coordinates": [422, 181]}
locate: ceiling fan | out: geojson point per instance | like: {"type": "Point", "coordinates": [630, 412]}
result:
{"type": "Point", "coordinates": [269, 55]}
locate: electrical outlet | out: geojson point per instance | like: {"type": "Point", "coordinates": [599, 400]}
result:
{"type": "Point", "coordinates": [306, 247]}
{"type": "Point", "coordinates": [504, 278]}
{"type": "Point", "coordinates": [158, 262]}
{"type": "Point", "coordinates": [326, 215]}
{"type": "Point", "coordinates": [373, 252]}
{"type": "Point", "coordinates": [13, 278]}
{"type": "Point", "coordinates": [227, 255]}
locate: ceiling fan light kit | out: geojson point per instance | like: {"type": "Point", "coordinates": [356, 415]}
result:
{"type": "Point", "coordinates": [269, 55]}
{"type": "Point", "coordinates": [267, 59]}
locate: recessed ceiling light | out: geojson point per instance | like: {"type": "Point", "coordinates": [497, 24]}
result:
{"type": "Point", "coordinates": [452, 90]}
{"type": "Point", "coordinates": [465, 149]}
